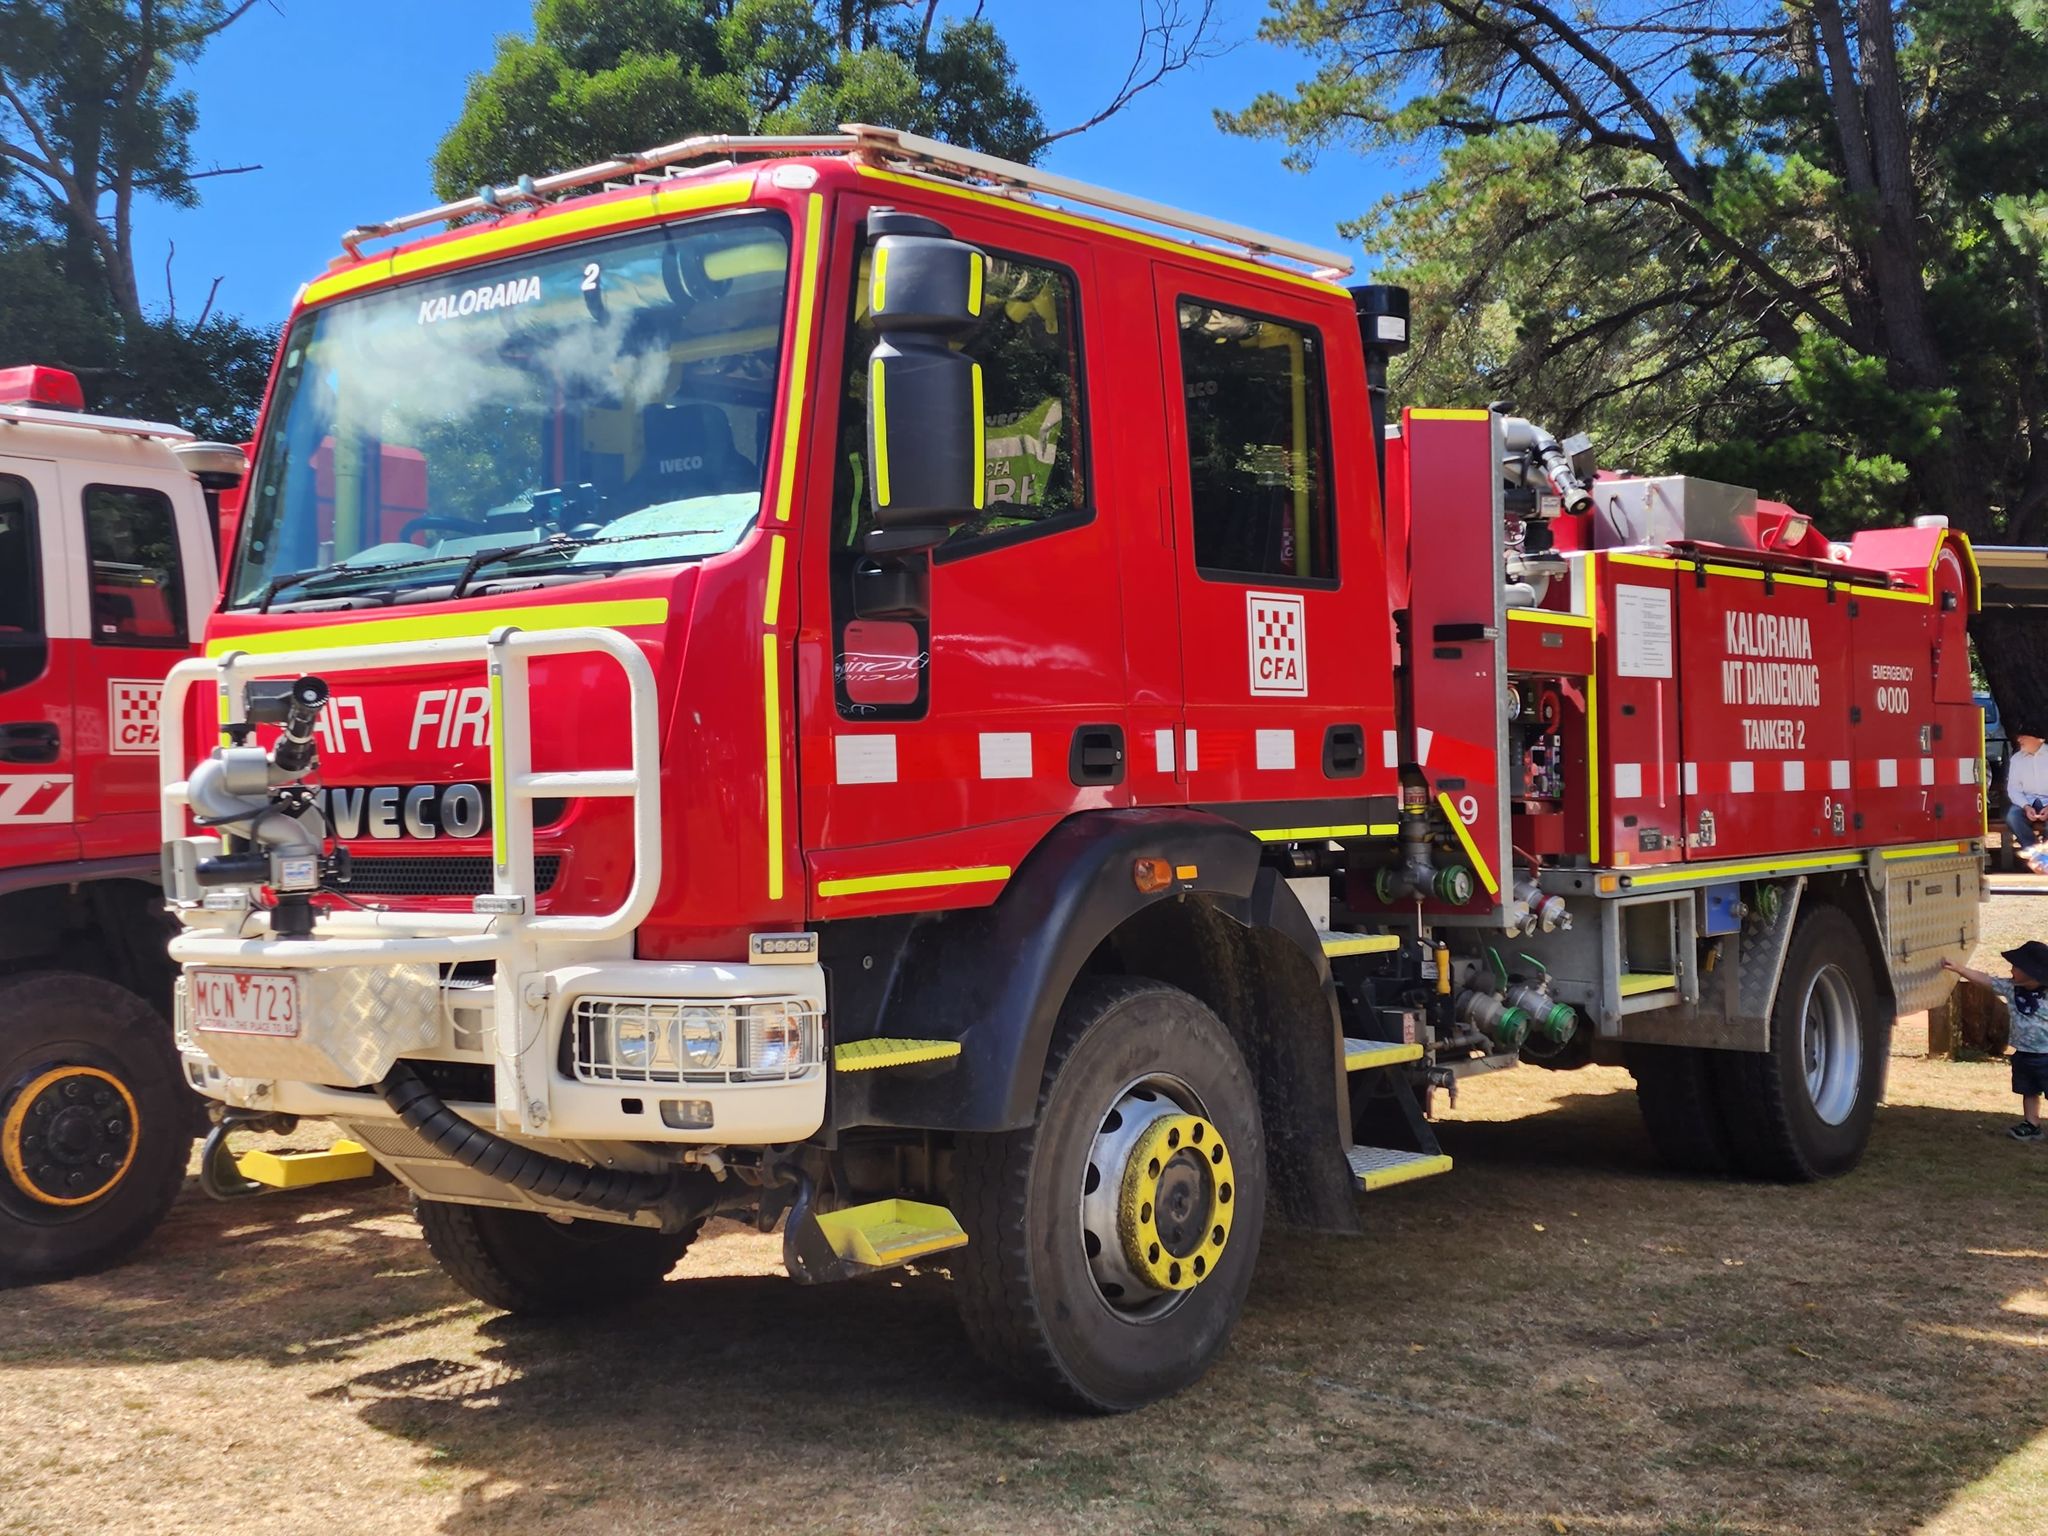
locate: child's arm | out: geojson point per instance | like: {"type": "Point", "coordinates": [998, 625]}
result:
{"type": "Point", "coordinates": [1966, 973]}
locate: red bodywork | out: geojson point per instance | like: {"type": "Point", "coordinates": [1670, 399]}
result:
{"type": "Point", "coordinates": [784, 807]}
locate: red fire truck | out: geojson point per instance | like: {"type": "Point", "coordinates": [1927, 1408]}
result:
{"type": "Point", "coordinates": [107, 573]}
{"type": "Point", "coordinates": [922, 700]}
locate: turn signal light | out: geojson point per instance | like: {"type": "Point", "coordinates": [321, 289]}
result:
{"type": "Point", "coordinates": [1152, 875]}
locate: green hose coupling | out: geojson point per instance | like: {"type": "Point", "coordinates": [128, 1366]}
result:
{"type": "Point", "coordinates": [1453, 884]}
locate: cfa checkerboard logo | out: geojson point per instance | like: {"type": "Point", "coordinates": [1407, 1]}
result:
{"type": "Point", "coordinates": [1278, 639]}
{"type": "Point", "coordinates": [131, 715]}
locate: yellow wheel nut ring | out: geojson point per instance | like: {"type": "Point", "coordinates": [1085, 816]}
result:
{"type": "Point", "coordinates": [47, 1090]}
{"type": "Point", "coordinates": [1183, 1144]}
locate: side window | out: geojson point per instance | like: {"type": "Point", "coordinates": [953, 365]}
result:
{"type": "Point", "coordinates": [138, 580]}
{"type": "Point", "coordinates": [1258, 456]}
{"type": "Point", "coordinates": [24, 651]}
{"type": "Point", "coordinates": [1034, 458]}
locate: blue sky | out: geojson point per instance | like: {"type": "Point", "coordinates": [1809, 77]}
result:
{"type": "Point", "coordinates": [343, 101]}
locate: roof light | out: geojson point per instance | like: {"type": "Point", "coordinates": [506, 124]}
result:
{"type": "Point", "coordinates": [50, 387]}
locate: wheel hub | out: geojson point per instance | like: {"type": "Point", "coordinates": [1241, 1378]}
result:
{"type": "Point", "coordinates": [1831, 1045]}
{"type": "Point", "coordinates": [69, 1135]}
{"type": "Point", "coordinates": [1157, 1211]}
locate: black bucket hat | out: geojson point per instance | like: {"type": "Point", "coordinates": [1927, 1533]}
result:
{"type": "Point", "coordinates": [2031, 957]}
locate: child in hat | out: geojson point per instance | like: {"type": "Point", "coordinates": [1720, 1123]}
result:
{"type": "Point", "coordinates": [2026, 1000]}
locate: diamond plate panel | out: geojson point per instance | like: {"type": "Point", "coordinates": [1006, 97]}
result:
{"type": "Point", "coordinates": [1929, 911]}
{"type": "Point", "coordinates": [354, 1021]}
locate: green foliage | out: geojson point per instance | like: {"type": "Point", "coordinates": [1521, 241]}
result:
{"type": "Point", "coordinates": [602, 76]}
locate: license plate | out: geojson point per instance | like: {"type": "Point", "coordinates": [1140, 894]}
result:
{"type": "Point", "coordinates": [243, 1002]}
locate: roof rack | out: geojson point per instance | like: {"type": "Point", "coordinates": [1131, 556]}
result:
{"type": "Point", "coordinates": [909, 152]}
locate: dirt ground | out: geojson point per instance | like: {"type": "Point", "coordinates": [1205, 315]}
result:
{"type": "Point", "coordinates": [1557, 1337]}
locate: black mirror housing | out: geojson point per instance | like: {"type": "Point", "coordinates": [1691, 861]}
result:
{"type": "Point", "coordinates": [926, 284]}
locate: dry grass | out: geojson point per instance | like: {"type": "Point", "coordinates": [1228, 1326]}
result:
{"type": "Point", "coordinates": [1556, 1337]}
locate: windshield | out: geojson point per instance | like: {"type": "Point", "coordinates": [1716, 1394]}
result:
{"type": "Point", "coordinates": [566, 411]}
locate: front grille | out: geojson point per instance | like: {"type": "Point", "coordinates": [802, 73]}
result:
{"type": "Point", "coordinates": [451, 875]}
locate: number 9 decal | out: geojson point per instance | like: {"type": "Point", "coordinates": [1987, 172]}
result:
{"type": "Point", "coordinates": [1468, 809]}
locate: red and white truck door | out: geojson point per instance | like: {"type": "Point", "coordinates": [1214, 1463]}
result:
{"type": "Point", "coordinates": [39, 636]}
{"type": "Point", "coordinates": [1277, 624]}
{"type": "Point", "coordinates": [142, 578]}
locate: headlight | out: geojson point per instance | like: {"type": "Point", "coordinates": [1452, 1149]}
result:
{"type": "Point", "coordinates": [705, 1031]}
{"type": "Point", "coordinates": [633, 1041]}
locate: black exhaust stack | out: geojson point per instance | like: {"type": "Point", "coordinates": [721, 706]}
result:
{"type": "Point", "coordinates": [1383, 327]}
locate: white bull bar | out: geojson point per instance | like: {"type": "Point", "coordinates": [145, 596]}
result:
{"type": "Point", "coordinates": [365, 938]}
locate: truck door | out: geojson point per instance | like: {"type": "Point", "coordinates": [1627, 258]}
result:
{"type": "Point", "coordinates": [1279, 635]}
{"type": "Point", "coordinates": [37, 626]}
{"type": "Point", "coordinates": [142, 576]}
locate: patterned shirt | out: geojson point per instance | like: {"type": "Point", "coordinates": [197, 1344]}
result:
{"type": "Point", "coordinates": [2029, 1009]}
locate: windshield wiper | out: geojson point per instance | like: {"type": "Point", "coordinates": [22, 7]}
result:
{"type": "Point", "coordinates": [560, 541]}
{"type": "Point", "coordinates": [334, 573]}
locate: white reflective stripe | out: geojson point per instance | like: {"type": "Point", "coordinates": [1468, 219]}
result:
{"type": "Point", "coordinates": [1838, 773]}
{"type": "Point", "coordinates": [1967, 766]}
{"type": "Point", "coordinates": [1423, 737]}
{"type": "Point", "coordinates": [1887, 772]}
{"type": "Point", "coordinates": [35, 799]}
{"type": "Point", "coordinates": [1390, 748]}
{"type": "Point", "coordinates": [1692, 778]}
{"type": "Point", "coordinates": [1795, 775]}
{"type": "Point", "coordinates": [1926, 770]}
{"type": "Point", "coordinates": [1162, 750]}
{"type": "Point", "coordinates": [1275, 749]}
{"type": "Point", "coordinates": [1628, 781]}
{"type": "Point", "coordinates": [1194, 755]}
{"type": "Point", "coordinates": [1005, 754]}
{"type": "Point", "coordinates": [864, 759]}
{"type": "Point", "coordinates": [1741, 778]}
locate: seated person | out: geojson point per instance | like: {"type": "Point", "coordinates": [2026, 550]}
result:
{"type": "Point", "coordinates": [2026, 790]}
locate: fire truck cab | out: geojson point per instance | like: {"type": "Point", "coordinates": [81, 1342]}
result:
{"type": "Point", "coordinates": [107, 572]}
{"type": "Point", "coordinates": [846, 681]}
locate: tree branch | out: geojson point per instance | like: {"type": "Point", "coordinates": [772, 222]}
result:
{"type": "Point", "coordinates": [1169, 40]}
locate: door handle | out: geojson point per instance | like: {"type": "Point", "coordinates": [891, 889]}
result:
{"type": "Point", "coordinates": [1097, 756]}
{"type": "Point", "coordinates": [28, 741]}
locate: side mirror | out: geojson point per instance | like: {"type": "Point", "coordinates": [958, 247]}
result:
{"type": "Point", "coordinates": [924, 398]}
{"type": "Point", "coordinates": [216, 466]}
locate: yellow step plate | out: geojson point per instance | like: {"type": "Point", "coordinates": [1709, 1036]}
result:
{"type": "Point", "coordinates": [1636, 983]}
{"type": "Point", "coordinates": [1335, 944]}
{"type": "Point", "coordinates": [1384, 1167]}
{"type": "Point", "coordinates": [887, 1232]}
{"type": "Point", "coordinates": [1361, 1055]}
{"type": "Point", "coordinates": [871, 1055]}
{"type": "Point", "coordinates": [298, 1170]}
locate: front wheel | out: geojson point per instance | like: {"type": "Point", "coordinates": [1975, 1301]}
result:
{"type": "Point", "coordinates": [95, 1125]}
{"type": "Point", "coordinates": [1803, 1109]}
{"type": "Point", "coordinates": [1111, 1242]}
{"type": "Point", "coordinates": [533, 1265]}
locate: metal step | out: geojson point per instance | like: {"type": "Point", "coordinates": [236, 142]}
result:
{"type": "Point", "coordinates": [300, 1170]}
{"type": "Point", "coordinates": [1382, 1167]}
{"type": "Point", "coordinates": [1642, 983]}
{"type": "Point", "coordinates": [1336, 944]}
{"type": "Point", "coordinates": [872, 1055]}
{"type": "Point", "coordinates": [1363, 1055]}
{"type": "Point", "coordinates": [882, 1233]}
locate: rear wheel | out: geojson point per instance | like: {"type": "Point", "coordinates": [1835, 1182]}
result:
{"type": "Point", "coordinates": [95, 1125]}
{"type": "Point", "coordinates": [1675, 1089]}
{"type": "Point", "coordinates": [1111, 1242]}
{"type": "Point", "coordinates": [524, 1262]}
{"type": "Point", "coordinates": [1802, 1110]}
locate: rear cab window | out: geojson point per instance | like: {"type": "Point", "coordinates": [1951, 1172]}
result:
{"type": "Point", "coordinates": [24, 648]}
{"type": "Point", "coordinates": [138, 576]}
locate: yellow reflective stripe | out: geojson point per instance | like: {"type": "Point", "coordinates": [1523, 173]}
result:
{"type": "Point", "coordinates": [771, 710]}
{"type": "Point", "coordinates": [878, 291]}
{"type": "Point", "coordinates": [1068, 220]}
{"type": "Point", "coordinates": [499, 798]}
{"type": "Point", "coordinates": [800, 355]}
{"type": "Point", "coordinates": [771, 605]}
{"type": "Point", "coordinates": [467, 624]}
{"type": "Point", "coordinates": [1366, 1054]}
{"type": "Point", "coordinates": [1443, 798]}
{"type": "Point", "coordinates": [980, 443]}
{"type": "Point", "coordinates": [1437, 414]}
{"type": "Point", "coordinates": [878, 409]}
{"type": "Point", "coordinates": [1788, 866]}
{"type": "Point", "coordinates": [1544, 616]}
{"type": "Point", "coordinates": [1302, 834]}
{"type": "Point", "coordinates": [541, 229]}
{"type": "Point", "coordinates": [914, 880]}
{"type": "Point", "coordinates": [974, 265]}
{"type": "Point", "coordinates": [1929, 851]}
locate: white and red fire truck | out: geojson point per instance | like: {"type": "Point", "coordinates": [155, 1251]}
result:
{"type": "Point", "coordinates": [841, 679]}
{"type": "Point", "coordinates": [107, 572]}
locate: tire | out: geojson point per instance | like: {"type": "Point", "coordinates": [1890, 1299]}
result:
{"type": "Point", "coordinates": [1132, 1065]}
{"type": "Point", "coordinates": [1676, 1091]}
{"type": "Point", "coordinates": [532, 1265]}
{"type": "Point", "coordinates": [1781, 1124]}
{"type": "Point", "coordinates": [96, 1125]}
